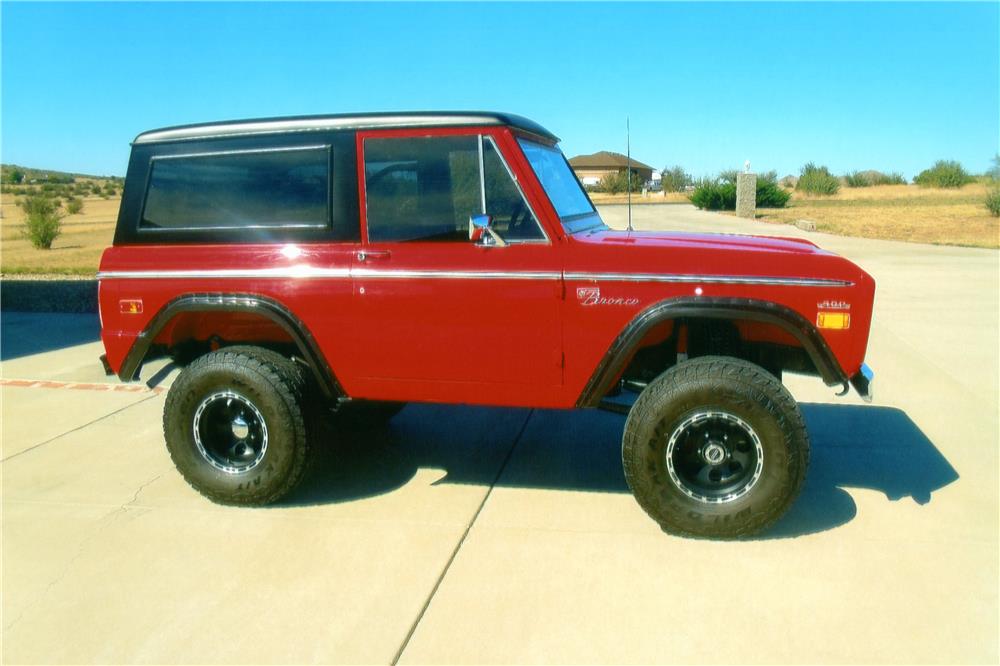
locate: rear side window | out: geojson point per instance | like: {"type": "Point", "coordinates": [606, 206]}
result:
{"type": "Point", "coordinates": [283, 188]}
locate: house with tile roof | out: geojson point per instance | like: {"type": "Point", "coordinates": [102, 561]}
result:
{"type": "Point", "coordinates": [591, 168]}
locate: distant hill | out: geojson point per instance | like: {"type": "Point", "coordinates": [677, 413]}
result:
{"type": "Point", "coordinates": [8, 173]}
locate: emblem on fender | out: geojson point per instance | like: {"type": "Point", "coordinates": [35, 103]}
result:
{"type": "Point", "coordinates": [592, 296]}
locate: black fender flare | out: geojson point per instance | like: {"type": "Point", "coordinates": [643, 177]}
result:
{"type": "Point", "coordinates": [613, 363]}
{"type": "Point", "coordinates": [259, 305]}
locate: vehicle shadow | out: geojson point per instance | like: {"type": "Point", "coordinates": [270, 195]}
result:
{"type": "Point", "coordinates": [27, 333]}
{"type": "Point", "coordinates": [877, 448]}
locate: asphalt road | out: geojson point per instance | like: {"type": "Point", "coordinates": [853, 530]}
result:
{"type": "Point", "coordinates": [460, 535]}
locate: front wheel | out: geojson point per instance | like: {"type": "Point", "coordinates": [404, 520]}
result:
{"type": "Point", "coordinates": [715, 447]}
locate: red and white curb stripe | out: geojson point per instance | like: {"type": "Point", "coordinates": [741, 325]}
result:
{"type": "Point", "coordinates": [81, 386]}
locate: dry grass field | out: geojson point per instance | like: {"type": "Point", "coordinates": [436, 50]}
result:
{"type": "Point", "coordinates": [600, 198]}
{"type": "Point", "coordinates": [896, 212]}
{"type": "Point", "coordinates": [76, 252]}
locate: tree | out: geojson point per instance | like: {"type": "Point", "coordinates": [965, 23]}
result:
{"type": "Point", "coordinates": [43, 221]}
{"type": "Point", "coordinates": [675, 179]}
{"type": "Point", "coordinates": [613, 183]}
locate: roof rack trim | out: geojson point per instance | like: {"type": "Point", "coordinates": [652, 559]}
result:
{"type": "Point", "coordinates": [327, 123]}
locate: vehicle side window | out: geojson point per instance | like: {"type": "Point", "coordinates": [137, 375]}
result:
{"type": "Point", "coordinates": [421, 188]}
{"type": "Point", "coordinates": [426, 188]}
{"type": "Point", "coordinates": [512, 218]}
{"type": "Point", "coordinates": [283, 188]}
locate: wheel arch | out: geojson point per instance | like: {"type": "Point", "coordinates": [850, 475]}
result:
{"type": "Point", "coordinates": [628, 341]}
{"type": "Point", "coordinates": [262, 306]}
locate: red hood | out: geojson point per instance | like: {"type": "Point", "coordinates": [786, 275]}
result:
{"type": "Point", "coordinates": [707, 254]}
{"type": "Point", "coordinates": [679, 239]}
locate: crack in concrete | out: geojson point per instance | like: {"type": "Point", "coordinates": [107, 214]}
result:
{"type": "Point", "coordinates": [104, 522]}
{"type": "Point", "coordinates": [461, 542]}
{"type": "Point", "coordinates": [81, 427]}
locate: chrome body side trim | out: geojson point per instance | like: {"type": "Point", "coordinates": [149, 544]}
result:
{"type": "Point", "coordinates": [307, 272]}
{"type": "Point", "coordinates": [284, 273]}
{"type": "Point", "coordinates": [709, 279]}
{"type": "Point", "coordinates": [373, 273]}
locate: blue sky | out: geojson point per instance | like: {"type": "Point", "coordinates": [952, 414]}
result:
{"type": "Point", "coordinates": [853, 86]}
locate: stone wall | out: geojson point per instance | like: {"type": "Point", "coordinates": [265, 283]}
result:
{"type": "Point", "coordinates": [48, 295]}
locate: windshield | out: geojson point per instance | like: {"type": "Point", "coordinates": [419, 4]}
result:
{"type": "Point", "coordinates": [570, 201]}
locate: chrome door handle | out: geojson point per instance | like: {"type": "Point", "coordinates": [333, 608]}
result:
{"type": "Point", "coordinates": [365, 255]}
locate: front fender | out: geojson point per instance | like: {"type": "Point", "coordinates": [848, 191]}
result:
{"type": "Point", "coordinates": [624, 346]}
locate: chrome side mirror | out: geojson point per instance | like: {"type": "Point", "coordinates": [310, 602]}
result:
{"type": "Point", "coordinates": [481, 231]}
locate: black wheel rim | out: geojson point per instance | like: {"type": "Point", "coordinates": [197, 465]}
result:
{"type": "Point", "coordinates": [714, 457]}
{"type": "Point", "coordinates": [230, 432]}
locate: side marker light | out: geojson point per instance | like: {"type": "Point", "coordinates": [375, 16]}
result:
{"type": "Point", "coordinates": [130, 306]}
{"type": "Point", "coordinates": [833, 320]}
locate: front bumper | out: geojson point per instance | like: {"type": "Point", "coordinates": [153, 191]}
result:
{"type": "Point", "coordinates": [862, 382]}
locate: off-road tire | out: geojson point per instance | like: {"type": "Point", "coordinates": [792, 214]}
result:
{"type": "Point", "coordinates": [274, 387]}
{"type": "Point", "coordinates": [715, 385]}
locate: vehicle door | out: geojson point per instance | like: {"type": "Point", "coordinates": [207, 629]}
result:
{"type": "Point", "coordinates": [438, 313]}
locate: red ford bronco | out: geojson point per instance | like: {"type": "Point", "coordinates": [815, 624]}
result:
{"type": "Point", "coordinates": [367, 261]}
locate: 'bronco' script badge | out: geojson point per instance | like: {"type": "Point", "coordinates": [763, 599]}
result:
{"type": "Point", "coordinates": [592, 296]}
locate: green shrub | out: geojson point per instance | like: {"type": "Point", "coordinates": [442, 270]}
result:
{"type": "Point", "coordinates": [614, 183]}
{"type": "Point", "coordinates": [857, 179]}
{"type": "Point", "coordinates": [14, 175]}
{"type": "Point", "coordinates": [817, 180]}
{"type": "Point", "coordinates": [720, 193]}
{"type": "Point", "coordinates": [675, 179]}
{"type": "Point", "coordinates": [873, 178]}
{"type": "Point", "coordinates": [43, 221]}
{"type": "Point", "coordinates": [993, 195]}
{"type": "Point", "coordinates": [944, 173]}
{"type": "Point", "coordinates": [74, 206]}
{"type": "Point", "coordinates": [993, 201]}
{"type": "Point", "coordinates": [714, 194]}
{"type": "Point", "coordinates": [770, 194]}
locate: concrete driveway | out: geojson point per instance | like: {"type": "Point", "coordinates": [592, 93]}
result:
{"type": "Point", "coordinates": [460, 535]}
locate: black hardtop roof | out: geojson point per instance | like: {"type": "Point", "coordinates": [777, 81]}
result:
{"type": "Point", "coordinates": [384, 120]}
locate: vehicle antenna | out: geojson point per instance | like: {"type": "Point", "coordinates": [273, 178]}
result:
{"type": "Point", "coordinates": [628, 173]}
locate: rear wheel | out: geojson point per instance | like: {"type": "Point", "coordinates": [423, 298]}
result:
{"type": "Point", "coordinates": [715, 447]}
{"type": "Point", "coordinates": [234, 426]}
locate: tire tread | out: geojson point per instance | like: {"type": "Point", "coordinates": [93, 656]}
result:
{"type": "Point", "coordinates": [713, 369]}
{"type": "Point", "coordinates": [277, 373]}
